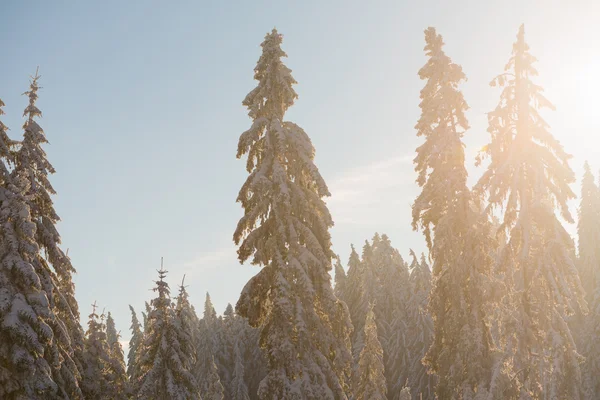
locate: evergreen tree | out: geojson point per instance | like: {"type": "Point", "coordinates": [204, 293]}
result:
{"type": "Point", "coordinates": [187, 316]}
{"type": "Point", "coordinates": [95, 383]}
{"type": "Point", "coordinates": [528, 176]}
{"type": "Point", "coordinates": [239, 389]}
{"type": "Point", "coordinates": [305, 328]}
{"type": "Point", "coordinates": [36, 357]}
{"type": "Point", "coordinates": [206, 370]}
{"type": "Point", "coordinates": [225, 357]}
{"type": "Point", "coordinates": [116, 370]}
{"type": "Point", "coordinates": [112, 336]}
{"type": "Point", "coordinates": [456, 234]}
{"type": "Point", "coordinates": [355, 300]}
{"type": "Point", "coordinates": [164, 360]}
{"type": "Point", "coordinates": [369, 381]}
{"type": "Point", "coordinates": [420, 330]}
{"type": "Point", "coordinates": [31, 163]}
{"type": "Point", "coordinates": [134, 347]}
{"type": "Point", "coordinates": [391, 299]}
{"type": "Point", "coordinates": [588, 230]}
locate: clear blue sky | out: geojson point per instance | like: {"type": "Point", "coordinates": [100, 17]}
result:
{"type": "Point", "coordinates": [142, 108]}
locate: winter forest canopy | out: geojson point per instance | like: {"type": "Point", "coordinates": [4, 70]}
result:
{"type": "Point", "coordinates": [503, 304]}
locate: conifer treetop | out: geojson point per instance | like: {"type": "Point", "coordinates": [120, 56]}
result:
{"type": "Point", "coordinates": [440, 159]}
{"type": "Point", "coordinates": [274, 93]}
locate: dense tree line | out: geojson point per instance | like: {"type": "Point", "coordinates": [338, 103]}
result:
{"type": "Point", "coordinates": [505, 305]}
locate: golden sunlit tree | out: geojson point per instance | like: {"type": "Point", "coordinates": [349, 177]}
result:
{"type": "Point", "coordinates": [457, 236]}
{"type": "Point", "coordinates": [528, 177]}
{"type": "Point", "coordinates": [285, 229]}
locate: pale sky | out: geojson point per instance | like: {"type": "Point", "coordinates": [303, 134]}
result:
{"type": "Point", "coordinates": [142, 108]}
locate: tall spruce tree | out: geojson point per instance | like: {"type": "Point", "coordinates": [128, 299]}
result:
{"type": "Point", "coordinates": [36, 354]}
{"type": "Point", "coordinates": [528, 177]}
{"type": "Point", "coordinates": [134, 347]}
{"type": "Point", "coordinates": [369, 380]}
{"type": "Point", "coordinates": [164, 360]}
{"type": "Point", "coordinates": [456, 235]}
{"type": "Point", "coordinates": [32, 164]}
{"type": "Point", "coordinates": [305, 328]}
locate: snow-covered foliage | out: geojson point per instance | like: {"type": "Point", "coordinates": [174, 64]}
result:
{"type": "Point", "coordinates": [36, 351]}
{"type": "Point", "coordinates": [285, 229]}
{"type": "Point", "coordinates": [31, 163]}
{"type": "Point", "coordinates": [528, 177]}
{"type": "Point", "coordinates": [456, 234]}
{"type": "Point", "coordinates": [369, 380]}
{"type": "Point", "coordinates": [167, 353]}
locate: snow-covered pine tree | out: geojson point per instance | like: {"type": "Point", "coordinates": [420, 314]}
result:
{"type": "Point", "coordinates": [365, 294]}
{"type": "Point", "coordinates": [224, 356]}
{"type": "Point", "coordinates": [285, 230]}
{"type": "Point", "coordinates": [206, 370]}
{"type": "Point", "coordinates": [355, 300]}
{"type": "Point", "coordinates": [36, 357]}
{"type": "Point", "coordinates": [95, 380]}
{"type": "Point", "coordinates": [31, 163]}
{"type": "Point", "coordinates": [112, 336]}
{"type": "Point", "coordinates": [420, 329]}
{"type": "Point", "coordinates": [456, 234]}
{"type": "Point", "coordinates": [588, 230]}
{"type": "Point", "coordinates": [164, 356]}
{"type": "Point", "coordinates": [134, 347]}
{"type": "Point", "coordinates": [187, 316]}
{"type": "Point", "coordinates": [238, 388]}
{"type": "Point", "coordinates": [369, 379]}
{"type": "Point", "coordinates": [391, 299]}
{"type": "Point", "coordinates": [115, 370]}
{"type": "Point", "coordinates": [529, 177]}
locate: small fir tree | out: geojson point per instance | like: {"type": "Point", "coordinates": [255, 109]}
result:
{"type": "Point", "coordinates": [164, 356]}
{"type": "Point", "coordinates": [369, 381]}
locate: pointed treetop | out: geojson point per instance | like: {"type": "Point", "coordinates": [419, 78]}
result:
{"type": "Point", "coordinates": [31, 110]}
{"type": "Point", "coordinates": [274, 93]}
{"type": "Point", "coordinates": [94, 308]}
